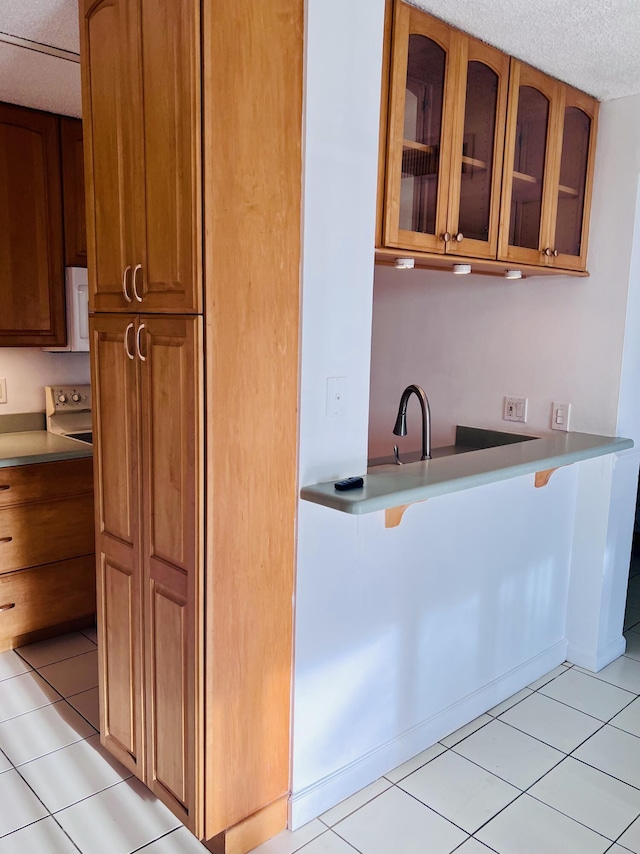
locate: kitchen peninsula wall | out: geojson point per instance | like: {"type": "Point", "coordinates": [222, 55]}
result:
{"type": "Point", "coordinates": [471, 340]}
{"type": "Point", "coordinates": [28, 370]}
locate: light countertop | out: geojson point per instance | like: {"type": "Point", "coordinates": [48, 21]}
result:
{"type": "Point", "coordinates": [39, 446]}
{"type": "Point", "coordinates": [389, 486]}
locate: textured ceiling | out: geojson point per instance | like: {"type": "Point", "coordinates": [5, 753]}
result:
{"type": "Point", "coordinates": [51, 22]}
{"type": "Point", "coordinates": [33, 78]}
{"type": "Point", "coordinates": [592, 44]}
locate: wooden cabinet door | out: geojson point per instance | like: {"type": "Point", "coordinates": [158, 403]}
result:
{"type": "Point", "coordinates": [167, 159]}
{"type": "Point", "coordinates": [478, 148]}
{"type": "Point", "coordinates": [529, 166]}
{"type": "Point", "coordinates": [31, 262]}
{"type": "Point", "coordinates": [572, 180]}
{"type": "Point", "coordinates": [107, 42]}
{"type": "Point", "coordinates": [171, 416]}
{"type": "Point", "coordinates": [75, 217]}
{"type": "Point", "coordinates": [424, 69]}
{"type": "Point", "coordinates": [117, 494]}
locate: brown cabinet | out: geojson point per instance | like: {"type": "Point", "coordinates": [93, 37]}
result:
{"type": "Point", "coordinates": [41, 186]}
{"type": "Point", "coordinates": [31, 260]}
{"type": "Point", "coordinates": [142, 113]}
{"type": "Point", "coordinates": [466, 171]}
{"type": "Point", "coordinates": [194, 231]}
{"type": "Point", "coordinates": [75, 218]}
{"type": "Point", "coordinates": [47, 583]}
{"type": "Point", "coordinates": [448, 96]}
{"type": "Point", "coordinates": [548, 172]}
{"type": "Point", "coordinates": [147, 404]}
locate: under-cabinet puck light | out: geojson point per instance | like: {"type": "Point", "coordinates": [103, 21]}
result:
{"type": "Point", "coordinates": [513, 274]}
{"type": "Point", "coordinates": [461, 269]}
{"type": "Point", "coordinates": [405, 263]}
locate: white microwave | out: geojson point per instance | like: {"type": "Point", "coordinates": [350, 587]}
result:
{"type": "Point", "coordinates": [77, 310]}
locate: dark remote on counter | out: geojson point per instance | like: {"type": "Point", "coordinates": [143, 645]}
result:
{"type": "Point", "coordinates": [349, 483]}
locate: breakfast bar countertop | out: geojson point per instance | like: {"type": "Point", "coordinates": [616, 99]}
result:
{"type": "Point", "coordinates": [389, 486]}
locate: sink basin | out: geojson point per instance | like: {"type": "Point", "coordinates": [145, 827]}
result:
{"type": "Point", "coordinates": [467, 439]}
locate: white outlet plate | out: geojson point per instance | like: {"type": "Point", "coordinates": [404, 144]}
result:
{"type": "Point", "coordinates": [560, 416]}
{"type": "Point", "coordinates": [515, 409]}
{"type": "Point", "coordinates": [3, 390]}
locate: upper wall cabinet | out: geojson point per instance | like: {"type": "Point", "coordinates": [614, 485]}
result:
{"type": "Point", "coordinates": [31, 262]}
{"type": "Point", "coordinates": [467, 171]}
{"type": "Point", "coordinates": [142, 154]}
{"type": "Point", "coordinates": [446, 137]}
{"type": "Point", "coordinates": [548, 172]}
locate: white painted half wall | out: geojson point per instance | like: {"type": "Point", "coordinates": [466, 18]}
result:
{"type": "Point", "coordinates": [27, 370]}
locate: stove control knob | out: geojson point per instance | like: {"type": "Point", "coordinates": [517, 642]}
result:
{"type": "Point", "coordinates": [75, 397]}
{"type": "Point", "coordinates": [62, 398]}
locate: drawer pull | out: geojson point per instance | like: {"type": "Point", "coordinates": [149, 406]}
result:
{"type": "Point", "coordinates": [7, 607]}
{"type": "Point", "coordinates": [4, 487]}
{"type": "Point", "coordinates": [5, 539]}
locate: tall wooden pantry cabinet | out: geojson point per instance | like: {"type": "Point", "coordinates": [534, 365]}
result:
{"type": "Point", "coordinates": [192, 120]}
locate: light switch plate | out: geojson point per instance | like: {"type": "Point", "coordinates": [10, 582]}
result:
{"type": "Point", "coordinates": [336, 396]}
{"type": "Point", "coordinates": [560, 415]}
{"type": "Point", "coordinates": [3, 390]}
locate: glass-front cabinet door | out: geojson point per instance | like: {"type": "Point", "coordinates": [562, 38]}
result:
{"type": "Point", "coordinates": [528, 166]}
{"type": "Point", "coordinates": [478, 147]}
{"type": "Point", "coordinates": [420, 129]}
{"type": "Point", "coordinates": [447, 110]}
{"type": "Point", "coordinates": [569, 226]}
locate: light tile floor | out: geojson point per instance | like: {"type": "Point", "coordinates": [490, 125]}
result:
{"type": "Point", "coordinates": [553, 769]}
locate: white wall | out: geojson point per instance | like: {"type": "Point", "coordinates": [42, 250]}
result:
{"type": "Point", "coordinates": [402, 635]}
{"type": "Point", "coordinates": [28, 370]}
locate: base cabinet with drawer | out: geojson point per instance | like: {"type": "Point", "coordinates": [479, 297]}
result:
{"type": "Point", "coordinates": [47, 561]}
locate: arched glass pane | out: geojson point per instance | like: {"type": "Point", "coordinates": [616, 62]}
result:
{"type": "Point", "coordinates": [528, 168]}
{"type": "Point", "coordinates": [573, 180]}
{"type": "Point", "coordinates": [477, 151]}
{"type": "Point", "coordinates": [422, 128]}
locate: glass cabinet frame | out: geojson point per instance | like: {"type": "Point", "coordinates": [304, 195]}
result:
{"type": "Point", "coordinates": [559, 96]}
{"type": "Point", "coordinates": [459, 50]}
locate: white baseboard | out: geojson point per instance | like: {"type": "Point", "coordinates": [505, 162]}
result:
{"type": "Point", "coordinates": [595, 661]}
{"type": "Point", "coordinates": [313, 800]}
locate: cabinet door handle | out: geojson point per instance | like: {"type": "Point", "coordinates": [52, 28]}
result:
{"type": "Point", "coordinates": [126, 342]}
{"type": "Point", "coordinates": [7, 607]}
{"type": "Point", "coordinates": [135, 282]}
{"type": "Point", "coordinates": [555, 253]}
{"type": "Point", "coordinates": [547, 251]}
{"type": "Point", "coordinates": [446, 237]}
{"type": "Point", "coordinates": [140, 356]}
{"type": "Point", "coordinates": [459, 237]}
{"type": "Point", "coordinates": [6, 539]}
{"type": "Point", "coordinates": [125, 292]}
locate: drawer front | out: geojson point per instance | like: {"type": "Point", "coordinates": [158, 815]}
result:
{"type": "Point", "coordinates": [47, 531]}
{"type": "Point", "coordinates": [37, 598]}
{"type": "Point", "coordinates": [20, 484]}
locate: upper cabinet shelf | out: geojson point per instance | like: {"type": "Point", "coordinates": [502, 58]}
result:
{"type": "Point", "coordinates": [482, 158]}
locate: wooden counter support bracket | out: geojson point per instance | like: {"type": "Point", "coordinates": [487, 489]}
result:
{"type": "Point", "coordinates": [542, 477]}
{"type": "Point", "coordinates": [393, 515]}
